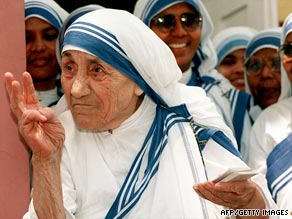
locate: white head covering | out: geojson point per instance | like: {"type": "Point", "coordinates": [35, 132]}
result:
{"type": "Point", "coordinates": [69, 20]}
{"type": "Point", "coordinates": [231, 39]}
{"type": "Point", "coordinates": [285, 82]}
{"type": "Point", "coordinates": [47, 10]}
{"type": "Point", "coordinates": [268, 38]}
{"type": "Point", "coordinates": [110, 40]}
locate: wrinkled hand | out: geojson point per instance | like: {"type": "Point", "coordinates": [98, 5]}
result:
{"type": "Point", "coordinates": [242, 194]}
{"type": "Point", "coordinates": [39, 126]}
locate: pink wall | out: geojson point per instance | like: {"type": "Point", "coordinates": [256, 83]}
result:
{"type": "Point", "coordinates": [14, 165]}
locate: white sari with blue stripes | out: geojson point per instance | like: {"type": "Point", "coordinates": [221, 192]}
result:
{"type": "Point", "coordinates": [279, 173]}
{"type": "Point", "coordinates": [270, 153]}
{"type": "Point", "coordinates": [146, 167]}
{"type": "Point", "coordinates": [111, 176]}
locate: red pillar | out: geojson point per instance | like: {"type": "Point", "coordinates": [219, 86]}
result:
{"type": "Point", "coordinates": [14, 164]}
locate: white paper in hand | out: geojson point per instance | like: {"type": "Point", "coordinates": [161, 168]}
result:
{"type": "Point", "coordinates": [234, 175]}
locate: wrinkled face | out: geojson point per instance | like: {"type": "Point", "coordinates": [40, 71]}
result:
{"type": "Point", "coordinates": [232, 67]}
{"type": "Point", "coordinates": [287, 61]}
{"type": "Point", "coordinates": [265, 86]}
{"type": "Point", "coordinates": [182, 43]}
{"type": "Point", "coordinates": [41, 49]}
{"type": "Point", "coordinates": [99, 96]}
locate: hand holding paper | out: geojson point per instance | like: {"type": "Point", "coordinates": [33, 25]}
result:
{"type": "Point", "coordinates": [233, 189]}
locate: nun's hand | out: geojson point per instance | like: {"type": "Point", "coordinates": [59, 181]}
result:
{"type": "Point", "coordinates": [21, 100]}
{"type": "Point", "coordinates": [39, 126]}
{"type": "Point", "coordinates": [243, 194]}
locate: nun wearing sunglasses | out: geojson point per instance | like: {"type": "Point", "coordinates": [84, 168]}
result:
{"type": "Point", "coordinates": [186, 27]}
{"type": "Point", "coordinates": [271, 135]}
{"type": "Point", "coordinates": [133, 143]}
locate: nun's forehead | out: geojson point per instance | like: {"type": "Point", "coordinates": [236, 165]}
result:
{"type": "Point", "coordinates": [265, 39]}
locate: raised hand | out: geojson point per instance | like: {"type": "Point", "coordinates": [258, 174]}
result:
{"type": "Point", "coordinates": [39, 126]}
{"type": "Point", "coordinates": [21, 101]}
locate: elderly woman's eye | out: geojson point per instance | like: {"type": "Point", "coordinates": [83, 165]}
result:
{"type": "Point", "coordinates": [67, 68]}
{"type": "Point", "coordinates": [98, 70]}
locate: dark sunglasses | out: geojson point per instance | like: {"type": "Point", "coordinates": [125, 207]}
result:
{"type": "Point", "coordinates": [287, 49]}
{"type": "Point", "coordinates": [254, 66]}
{"type": "Point", "coordinates": [189, 21]}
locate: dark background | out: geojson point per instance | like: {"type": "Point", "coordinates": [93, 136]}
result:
{"type": "Point", "coordinates": [70, 5]}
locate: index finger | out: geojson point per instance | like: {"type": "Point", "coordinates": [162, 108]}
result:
{"type": "Point", "coordinates": [29, 94]}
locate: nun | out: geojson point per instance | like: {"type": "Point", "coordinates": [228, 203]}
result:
{"type": "Point", "coordinates": [230, 45]}
{"type": "Point", "coordinates": [43, 22]}
{"type": "Point", "coordinates": [271, 135]}
{"type": "Point", "coordinates": [186, 27]}
{"type": "Point", "coordinates": [133, 143]}
{"type": "Point", "coordinates": [263, 69]}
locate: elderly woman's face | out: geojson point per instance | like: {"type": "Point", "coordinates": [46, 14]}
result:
{"type": "Point", "coordinates": [264, 76]}
{"type": "Point", "coordinates": [182, 42]}
{"type": "Point", "coordinates": [287, 60]}
{"type": "Point", "coordinates": [99, 96]}
{"type": "Point", "coordinates": [41, 57]}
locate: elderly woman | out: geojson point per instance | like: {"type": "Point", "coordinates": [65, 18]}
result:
{"type": "Point", "coordinates": [271, 135]}
{"type": "Point", "coordinates": [43, 21]}
{"type": "Point", "coordinates": [263, 69]}
{"type": "Point", "coordinates": [134, 143]}
{"type": "Point", "coordinates": [186, 27]}
{"type": "Point", "coordinates": [230, 45]}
